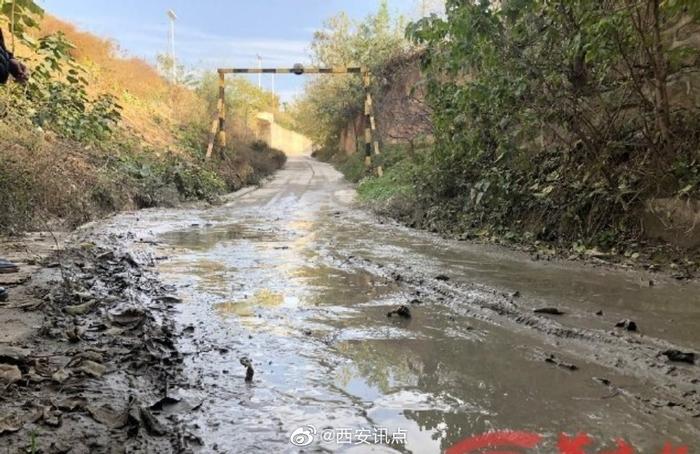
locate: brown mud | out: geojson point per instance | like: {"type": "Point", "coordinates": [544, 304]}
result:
{"type": "Point", "coordinates": [236, 325]}
{"type": "Point", "coordinates": [87, 359]}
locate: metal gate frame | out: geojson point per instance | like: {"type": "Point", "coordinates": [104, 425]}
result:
{"type": "Point", "coordinates": [371, 143]}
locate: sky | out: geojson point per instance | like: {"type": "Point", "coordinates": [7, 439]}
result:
{"type": "Point", "coordinates": [218, 33]}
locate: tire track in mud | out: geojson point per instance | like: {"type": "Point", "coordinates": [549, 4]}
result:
{"type": "Point", "coordinates": [629, 354]}
{"type": "Point", "coordinates": [295, 196]}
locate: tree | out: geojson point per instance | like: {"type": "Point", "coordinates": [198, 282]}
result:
{"type": "Point", "coordinates": [21, 16]}
{"type": "Point", "coordinates": [165, 63]}
{"type": "Point", "coordinates": [329, 102]}
{"type": "Point", "coordinates": [244, 100]}
{"type": "Point", "coordinates": [557, 112]}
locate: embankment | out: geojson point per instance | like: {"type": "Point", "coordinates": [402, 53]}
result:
{"type": "Point", "coordinates": [636, 208]}
{"type": "Point", "coordinates": [93, 132]}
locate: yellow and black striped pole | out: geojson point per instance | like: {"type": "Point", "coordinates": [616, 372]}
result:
{"type": "Point", "coordinates": [222, 109]}
{"type": "Point", "coordinates": [219, 124]}
{"type": "Point", "coordinates": [212, 138]}
{"type": "Point", "coordinates": [371, 142]}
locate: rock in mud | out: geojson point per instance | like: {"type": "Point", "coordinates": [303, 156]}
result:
{"type": "Point", "coordinates": [109, 416]}
{"type": "Point", "coordinates": [9, 424]}
{"type": "Point", "coordinates": [51, 416]}
{"type": "Point", "coordinates": [152, 425]}
{"type": "Point", "coordinates": [8, 267]}
{"type": "Point", "coordinates": [189, 329]}
{"type": "Point", "coordinates": [442, 277]}
{"type": "Point", "coordinates": [92, 368]}
{"type": "Point", "coordinates": [549, 311]}
{"type": "Point", "coordinates": [9, 374]}
{"type": "Point", "coordinates": [169, 405]}
{"type": "Point", "coordinates": [402, 311]}
{"type": "Point", "coordinates": [163, 403]}
{"type": "Point", "coordinates": [679, 356]}
{"type": "Point", "coordinates": [563, 364]}
{"type": "Point", "coordinates": [168, 299]}
{"type": "Point", "coordinates": [599, 313]}
{"type": "Point", "coordinates": [79, 309]}
{"type": "Point", "coordinates": [130, 316]}
{"type": "Point", "coordinates": [248, 364]}
{"type": "Point", "coordinates": [70, 404]}
{"type": "Point", "coordinates": [4, 294]}
{"type": "Point", "coordinates": [629, 325]}
{"type": "Point", "coordinates": [60, 375]}
{"type": "Point", "coordinates": [415, 301]}
{"type": "Point", "coordinates": [602, 381]}
{"type": "Point", "coordinates": [13, 355]}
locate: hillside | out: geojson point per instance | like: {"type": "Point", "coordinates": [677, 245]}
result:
{"type": "Point", "coordinates": [153, 108]}
{"type": "Point", "coordinates": [95, 131]}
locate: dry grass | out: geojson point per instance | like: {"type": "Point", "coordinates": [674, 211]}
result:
{"type": "Point", "coordinates": [154, 109]}
{"type": "Point", "coordinates": [43, 179]}
{"type": "Point", "coordinates": [153, 159]}
{"type": "Point", "coordinates": [248, 165]}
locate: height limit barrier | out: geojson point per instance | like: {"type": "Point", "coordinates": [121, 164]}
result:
{"type": "Point", "coordinates": [218, 131]}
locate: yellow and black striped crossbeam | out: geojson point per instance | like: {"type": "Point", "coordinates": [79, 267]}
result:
{"type": "Point", "coordinates": [297, 70]}
{"type": "Point", "coordinates": [218, 127]}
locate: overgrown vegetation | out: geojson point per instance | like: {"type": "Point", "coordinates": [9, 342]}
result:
{"type": "Point", "coordinates": [557, 120]}
{"type": "Point", "coordinates": [555, 123]}
{"type": "Point", "coordinates": [91, 132]}
{"type": "Point", "coordinates": [329, 102]}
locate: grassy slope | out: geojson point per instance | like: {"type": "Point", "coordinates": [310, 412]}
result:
{"type": "Point", "coordinates": [154, 158]}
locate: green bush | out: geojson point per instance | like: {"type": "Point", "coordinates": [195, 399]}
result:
{"type": "Point", "coordinates": [353, 166]}
{"type": "Point", "coordinates": [165, 181]}
{"type": "Point", "coordinates": [398, 180]}
{"type": "Point", "coordinates": [545, 118]}
{"type": "Point", "coordinates": [57, 91]}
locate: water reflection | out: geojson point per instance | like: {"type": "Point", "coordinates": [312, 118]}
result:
{"type": "Point", "coordinates": [262, 299]}
{"type": "Point", "coordinates": [327, 354]}
{"type": "Point", "coordinates": [202, 239]}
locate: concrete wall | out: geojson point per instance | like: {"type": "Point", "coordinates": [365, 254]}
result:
{"type": "Point", "coordinates": [290, 142]}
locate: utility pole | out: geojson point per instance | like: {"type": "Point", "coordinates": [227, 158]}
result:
{"type": "Point", "coordinates": [173, 17]}
{"type": "Point", "coordinates": [260, 73]}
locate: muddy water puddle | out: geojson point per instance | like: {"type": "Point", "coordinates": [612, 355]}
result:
{"type": "Point", "coordinates": [276, 283]}
{"type": "Point", "coordinates": [326, 356]}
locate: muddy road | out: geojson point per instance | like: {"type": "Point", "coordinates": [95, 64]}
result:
{"type": "Point", "coordinates": [294, 277]}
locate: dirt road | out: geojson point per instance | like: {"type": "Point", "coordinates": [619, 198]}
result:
{"type": "Point", "coordinates": [294, 277]}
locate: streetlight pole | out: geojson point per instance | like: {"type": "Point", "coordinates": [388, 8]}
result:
{"type": "Point", "coordinates": [173, 17]}
{"type": "Point", "coordinates": [260, 73]}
